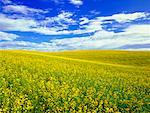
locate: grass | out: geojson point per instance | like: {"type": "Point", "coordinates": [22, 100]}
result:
{"type": "Point", "coordinates": [74, 81]}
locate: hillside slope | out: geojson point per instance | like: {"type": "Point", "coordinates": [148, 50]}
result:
{"type": "Point", "coordinates": [74, 81]}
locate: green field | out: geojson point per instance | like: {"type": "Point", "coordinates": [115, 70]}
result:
{"type": "Point", "coordinates": [75, 81]}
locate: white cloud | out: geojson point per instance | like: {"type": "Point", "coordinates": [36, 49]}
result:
{"type": "Point", "coordinates": [50, 26]}
{"type": "Point", "coordinates": [44, 46]}
{"type": "Point", "coordinates": [25, 24]}
{"type": "Point", "coordinates": [76, 2]}
{"type": "Point", "coordinates": [139, 29]}
{"type": "Point", "coordinates": [108, 40]}
{"type": "Point", "coordinates": [84, 20]}
{"type": "Point", "coordinates": [7, 36]}
{"type": "Point", "coordinates": [133, 31]}
{"type": "Point", "coordinates": [22, 9]}
{"type": "Point", "coordinates": [10, 24]}
{"type": "Point", "coordinates": [96, 24]}
{"type": "Point", "coordinates": [100, 40]}
{"type": "Point", "coordinates": [58, 25]}
{"type": "Point", "coordinates": [65, 17]}
{"type": "Point", "coordinates": [58, 1]}
{"type": "Point", "coordinates": [122, 18]}
{"type": "Point", "coordinates": [6, 1]}
{"type": "Point", "coordinates": [94, 12]}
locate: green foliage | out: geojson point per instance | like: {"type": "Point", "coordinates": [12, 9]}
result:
{"type": "Point", "coordinates": [78, 81]}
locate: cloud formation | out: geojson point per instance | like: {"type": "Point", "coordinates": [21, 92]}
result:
{"type": "Point", "coordinates": [124, 40]}
{"type": "Point", "coordinates": [22, 9]}
{"type": "Point", "coordinates": [59, 24]}
{"type": "Point", "coordinates": [7, 36]}
{"type": "Point", "coordinates": [6, 1]}
{"type": "Point", "coordinates": [80, 32]}
{"type": "Point", "coordinates": [76, 2]}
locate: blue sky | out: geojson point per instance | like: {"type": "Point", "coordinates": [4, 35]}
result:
{"type": "Point", "coordinates": [55, 25]}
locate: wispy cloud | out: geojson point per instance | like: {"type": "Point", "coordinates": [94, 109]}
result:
{"type": "Point", "coordinates": [44, 46]}
{"type": "Point", "coordinates": [134, 35]}
{"type": "Point", "coordinates": [61, 24]}
{"type": "Point", "coordinates": [22, 9]}
{"type": "Point", "coordinates": [84, 20]}
{"type": "Point", "coordinates": [76, 2]}
{"type": "Point", "coordinates": [7, 36]}
{"type": "Point", "coordinates": [122, 18]}
{"type": "Point", "coordinates": [16, 24]}
{"type": "Point", "coordinates": [6, 1]}
{"type": "Point", "coordinates": [94, 12]}
{"type": "Point", "coordinates": [70, 28]}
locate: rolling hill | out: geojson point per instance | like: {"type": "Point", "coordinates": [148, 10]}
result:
{"type": "Point", "coordinates": [75, 81]}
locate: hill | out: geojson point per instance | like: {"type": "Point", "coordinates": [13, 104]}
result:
{"type": "Point", "coordinates": [74, 81]}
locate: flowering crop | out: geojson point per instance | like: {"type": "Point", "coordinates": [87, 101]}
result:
{"type": "Point", "coordinates": [79, 81]}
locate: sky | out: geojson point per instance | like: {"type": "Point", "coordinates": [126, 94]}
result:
{"type": "Point", "coordinates": [58, 25]}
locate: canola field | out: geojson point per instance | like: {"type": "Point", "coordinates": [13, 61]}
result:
{"type": "Point", "coordinates": [74, 82]}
